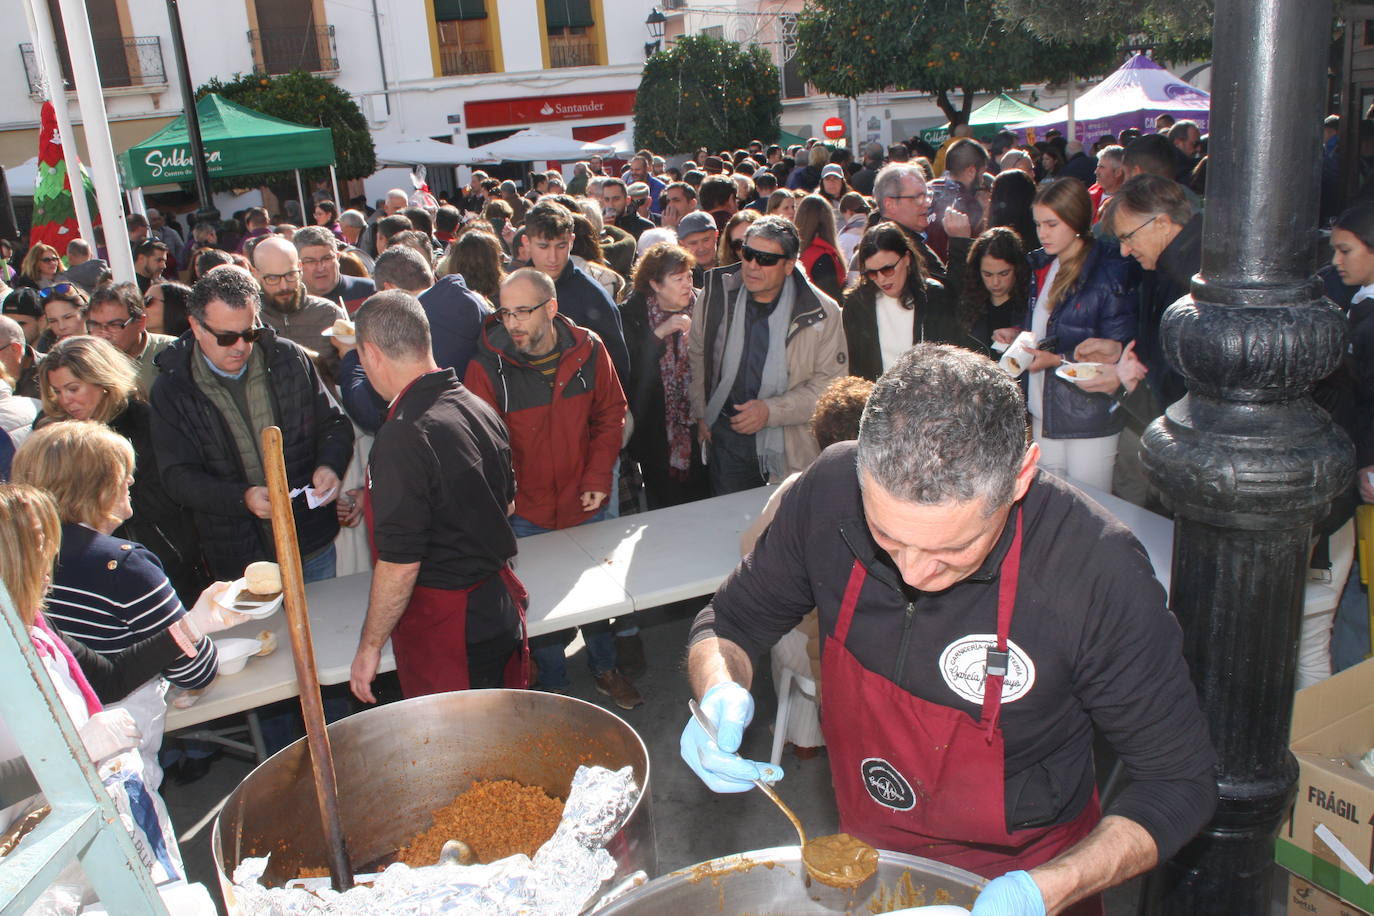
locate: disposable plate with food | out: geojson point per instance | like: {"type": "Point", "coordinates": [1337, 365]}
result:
{"type": "Point", "coordinates": [345, 338]}
{"type": "Point", "coordinates": [234, 653]}
{"type": "Point", "coordinates": [1078, 372]}
{"type": "Point", "coordinates": [237, 598]}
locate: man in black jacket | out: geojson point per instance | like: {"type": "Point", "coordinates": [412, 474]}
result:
{"type": "Point", "coordinates": [979, 618]}
{"type": "Point", "coordinates": [218, 389]}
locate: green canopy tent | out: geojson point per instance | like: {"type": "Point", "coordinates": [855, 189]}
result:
{"type": "Point", "coordinates": [987, 120]}
{"type": "Point", "coordinates": [237, 141]}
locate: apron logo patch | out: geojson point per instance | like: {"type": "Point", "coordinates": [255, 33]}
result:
{"type": "Point", "coordinates": [885, 785]}
{"type": "Point", "coordinates": [963, 665]}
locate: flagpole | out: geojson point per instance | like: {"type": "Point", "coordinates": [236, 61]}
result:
{"type": "Point", "coordinates": [46, 56]}
{"type": "Point", "coordinates": [91, 97]}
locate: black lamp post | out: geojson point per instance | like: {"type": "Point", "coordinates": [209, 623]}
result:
{"type": "Point", "coordinates": [1247, 461]}
{"type": "Point", "coordinates": [655, 24]}
{"type": "Point", "coordinates": [207, 211]}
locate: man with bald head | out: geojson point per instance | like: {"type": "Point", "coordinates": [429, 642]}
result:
{"type": "Point", "coordinates": [287, 307]}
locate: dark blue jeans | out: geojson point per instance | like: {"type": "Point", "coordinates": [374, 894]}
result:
{"type": "Point", "coordinates": [547, 650]}
{"type": "Point", "coordinates": [734, 462]}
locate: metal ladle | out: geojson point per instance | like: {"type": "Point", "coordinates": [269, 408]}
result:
{"type": "Point", "coordinates": [850, 876]}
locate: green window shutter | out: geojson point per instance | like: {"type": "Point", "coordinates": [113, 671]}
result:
{"type": "Point", "coordinates": [566, 14]}
{"type": "Point", "coordinates": [447, 10]}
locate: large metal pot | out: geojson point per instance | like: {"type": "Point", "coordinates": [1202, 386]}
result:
{"type": "Point", "coordinates": [772, 882]}
{"type": "Point", "coordinates": [397, 763]}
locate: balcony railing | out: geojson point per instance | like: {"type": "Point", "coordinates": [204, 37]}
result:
{"type": "Point", "coordinates": [572, 52]}
{"type": "Point", "coordinates": [309, 48]}
{"type": "Point", "coordinates": [121, 62]}
{"type": "Point", "coordinates": [456, 61]}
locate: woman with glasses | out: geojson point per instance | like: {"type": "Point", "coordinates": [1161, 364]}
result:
{"type": "Point", "coordinates": [658, 318]}
{"type": "Point", "coordinates": [1081, 288]}
{"type": "Point", "coordinates": [895, 305]}
{"type": "Point", "coordinates": [86, 378]}
{"type": "Point", "coordinates": [64, 311]}
{"type": "Point", "coordinates": [41, 267]}
{"type": "Point", "coordinates": [732, 239]}
{"type": "Point", "coordinates": [165, 308]}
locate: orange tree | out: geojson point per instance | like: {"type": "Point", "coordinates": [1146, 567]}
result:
{"type": "Point", "coordinates": [706, 91]}
{"type": "Point", "coordinates": [943, 47]}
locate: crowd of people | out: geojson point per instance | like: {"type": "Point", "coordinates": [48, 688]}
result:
{"type": "Point", "coordinates": [451, 378]}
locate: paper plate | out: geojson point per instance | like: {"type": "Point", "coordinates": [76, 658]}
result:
{"type": "Point", "coordinates": [345, 338]}
{"type": "Point", "coordinates": [1068, 371]}
{"type": "Point", "coordinates": [235, 652]}
{"type": "Point", "coordinates": [257, 610]}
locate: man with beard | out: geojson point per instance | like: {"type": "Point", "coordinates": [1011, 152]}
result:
{"type": "Point", "coordinates": [287, 307]}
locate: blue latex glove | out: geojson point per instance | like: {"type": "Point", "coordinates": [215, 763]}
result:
{"type": "Point", "coordinates": [730, 708]}
{"type": "Point", "coordinates": [1013, 894]}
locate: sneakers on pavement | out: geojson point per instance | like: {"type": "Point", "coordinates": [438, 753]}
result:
{"type": "Point", "coordinates": [619, 688]}
{"type": "Point", "coordinates": [630, 659]}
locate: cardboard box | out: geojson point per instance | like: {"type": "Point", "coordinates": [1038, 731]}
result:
{"type": "Point", "coordinates": [1333, 727]}
{"type": "Point", "coordinates": [1309, 900]}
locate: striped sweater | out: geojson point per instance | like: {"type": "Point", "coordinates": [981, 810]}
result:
{"type": "Point", "coordinates": [110, 594]}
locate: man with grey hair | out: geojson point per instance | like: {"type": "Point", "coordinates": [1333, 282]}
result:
{"type": "Point", "coordinates": [440, 487]}
{"type": "Point", "coordinates": [318, 250]}
{"type": "Point", "coordinates": [1111, 174]}
{"type": "Point", "coordinates": [764, 347]}
{"type": "Point", "coordinates": [981, 618]}
{"type": "Point", "coordinates": [902, 197]}
{"type": "Point", "coordinates": [455, 315]}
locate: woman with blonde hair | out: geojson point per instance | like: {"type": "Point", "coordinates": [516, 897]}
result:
{"type": "Point", "coordinates": [41, 267]}
{"type": "Point", "coordinates": [86, 378]}
{"type": "Point", "coordinates": [1081, 288]}
{"type": "Point", "coordinates": [782, 202]}
{"type": "Point", "coordinates": [109, 592]}
{"type": "Point", "coordinates": [85, 680]}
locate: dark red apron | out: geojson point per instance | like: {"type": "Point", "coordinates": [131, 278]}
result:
{"type": "Point", "coordinates": [930, 781]}
{"type": "Point", "coordinates": [430, 640]}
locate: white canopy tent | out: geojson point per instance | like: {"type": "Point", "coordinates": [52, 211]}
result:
{"type": "Point", "coordinates": [417, 150]}
{"type": "Point", "coordinates": [22, 179]}
{"type": "Point", "coordinates": [623, 143]}
{"type": "Point", "coordinates": [532, 146]}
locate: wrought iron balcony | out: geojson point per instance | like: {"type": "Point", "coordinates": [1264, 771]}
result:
{"type": "Point", "coordinates": [121, 62]}
{"type": "Point", "coordinates": [310, 48]}
{"type": "Point", "coordinates": [456, 61]}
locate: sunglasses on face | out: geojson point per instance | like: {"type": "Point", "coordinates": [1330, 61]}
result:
{"type": "Point", "coordinates": [762, 258]}
{"type": "Point", "coordinates": [736, 244]}
{"type": "Point", "coordinates": [885, 271]}
{"type": "Point", "coordinates": [51, 260]}
{"type": "Point", "coordinates": [229, 338]}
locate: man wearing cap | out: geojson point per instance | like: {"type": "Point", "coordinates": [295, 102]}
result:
{"type": "Point", "coordinates": [698, 234]}
{"type": "Point", "coordinates": [640, 172]}
{"type": "Point", "coordinates": [24, 306]}
{"type": "Point", "coordinates": [639, 202]}
{"type": "Point", "coordinates": [616, 208]}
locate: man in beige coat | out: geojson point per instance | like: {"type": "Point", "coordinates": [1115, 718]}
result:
{"type": "Point", "coordinates": [764, 344]}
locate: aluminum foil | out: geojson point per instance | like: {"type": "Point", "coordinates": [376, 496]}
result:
{"type": "Point", "coordinates": [564, 875]}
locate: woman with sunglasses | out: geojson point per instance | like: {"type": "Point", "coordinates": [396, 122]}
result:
{"type": "Point", "coordinates": [1081, 289]}
{"type": "Point", "coordinates": [64, 311]}
{"type": "Point", "coordinates": [732, 239]}
{"type": "Point", "coordinates": [41, 267]}
{"type": "Point", "coordinates": [86, 378]}
{"type": "Point", "coordinates": [165, 308]}
{"type": "Point", "coordinates": [896, 304]}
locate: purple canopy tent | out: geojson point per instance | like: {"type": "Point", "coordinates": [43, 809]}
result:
{"type": "Point", "coordinates": [1137, 93]}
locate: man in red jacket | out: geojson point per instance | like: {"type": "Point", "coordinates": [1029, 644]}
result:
{"type": "Point", "coordinates": [554, 385]}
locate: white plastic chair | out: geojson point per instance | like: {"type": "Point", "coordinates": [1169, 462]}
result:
{"type": "Point", "coordinates": [788, 679]}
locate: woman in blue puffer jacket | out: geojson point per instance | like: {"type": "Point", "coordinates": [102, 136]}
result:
{"type": "Point", "coordinates": [1080, 289]}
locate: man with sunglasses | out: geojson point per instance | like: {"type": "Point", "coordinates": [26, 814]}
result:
{"type": "Point", "coordinates": [766, 345]}
{"type": "Point", "coordinates": [116, 314]}
{"type": "Point", "coordinates": [219, 387]}
{"type": "Point", "coordinates": [287, 307]}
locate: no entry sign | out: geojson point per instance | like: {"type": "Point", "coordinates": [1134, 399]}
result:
{"type": "Point", "coordinates": [833, 128]}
